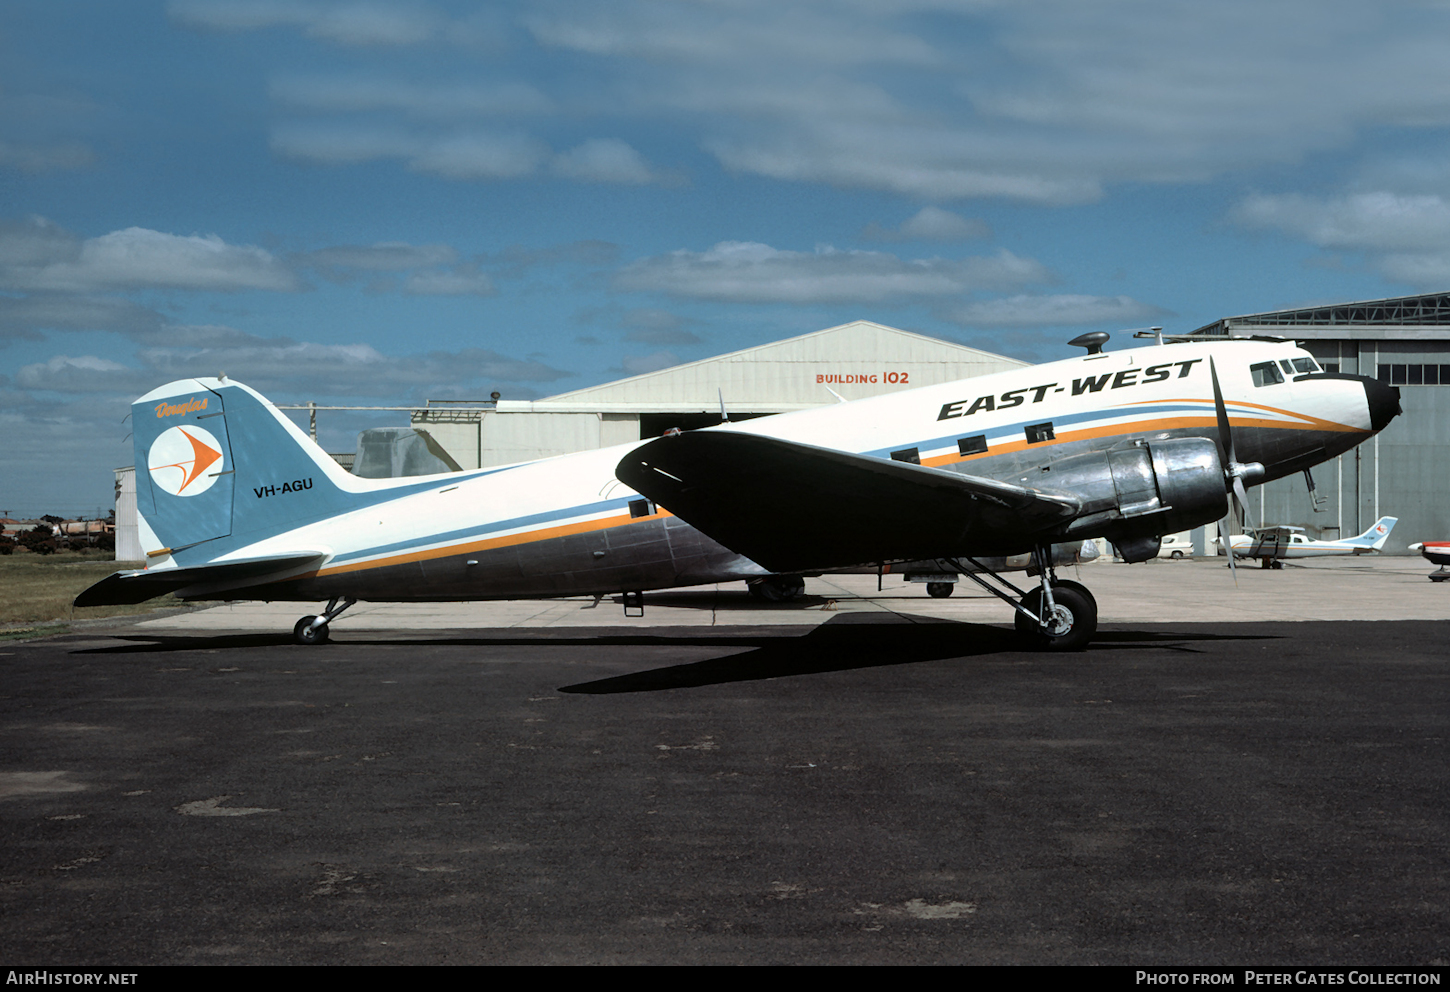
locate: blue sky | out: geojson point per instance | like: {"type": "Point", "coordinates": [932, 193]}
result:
{"type": "Point", "coordinates": [378, 201]}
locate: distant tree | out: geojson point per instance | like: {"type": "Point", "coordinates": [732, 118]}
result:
{"type": "Point", "coordinates": [39, 540]}
{"type": "Point", "coordinates": [7, 545]}
{"type": "Point", "coordinates": [53, 520]}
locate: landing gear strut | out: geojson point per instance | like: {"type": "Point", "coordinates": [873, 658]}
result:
{"type": "Point", "coordinates": [1059, 615]}
{"type": "Point", "coordinates": [313, 629]}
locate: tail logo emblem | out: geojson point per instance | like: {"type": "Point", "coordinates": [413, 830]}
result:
{"type": "Point", "coordinates": [185, 461]}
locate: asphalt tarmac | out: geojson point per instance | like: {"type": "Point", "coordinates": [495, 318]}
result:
{"type": "Point", "coordinates": [876, 788]}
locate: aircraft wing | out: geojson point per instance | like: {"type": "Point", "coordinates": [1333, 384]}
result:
{"type": "Point", "coordinates": [127, 588]}
{"type": "Point", "coordinates": [795, 507]}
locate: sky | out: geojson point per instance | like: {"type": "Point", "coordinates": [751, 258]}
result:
{"type": "Point", "coordinates": [377, 202]}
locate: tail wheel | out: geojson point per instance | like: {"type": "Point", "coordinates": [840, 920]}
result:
{"type": "Point", "coordinates": [1071, 625]}
{"type": "Point", "coordinates": [305, 633]}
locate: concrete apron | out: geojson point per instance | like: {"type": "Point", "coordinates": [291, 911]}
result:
{"type": "Point", "coordinates": [1341, 588]}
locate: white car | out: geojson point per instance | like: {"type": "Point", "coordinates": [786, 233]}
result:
{"type": "Point", "coordinates": [1176, 545]}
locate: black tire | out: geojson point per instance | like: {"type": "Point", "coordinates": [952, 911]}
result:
{"type": "Point", "coordinates": [940, 590]}
{"type": "Point", "coordinates": [1077, 619]}
{"type": "Point", "coordinates": [1080, 589]}
{"type": "Point", "coordinates": [1176, 556]}
{"type": "Point", "coordinates": [778, 588]}
{"type": "Point", "coordinates": [304, 633]}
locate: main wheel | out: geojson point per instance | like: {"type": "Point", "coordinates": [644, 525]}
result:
{"type": "Point", "coordinates": [1073, 622]}
{"type": "Point", "coordinates": [1080, 589]}
{"type": "Point", "coordinates": [305, 633]}
{"type": "Point", "coordinates": [777, 588]}
{"type": "Point", "coordinates": [940, 590]}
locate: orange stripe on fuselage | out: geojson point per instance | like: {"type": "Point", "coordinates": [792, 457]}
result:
{"type": "Point", "coordinates": [1141, 427]}
{"type": "Point", "coordinates": [1315, 422]}
{"type": "Point", "coordinates": [511, 540]}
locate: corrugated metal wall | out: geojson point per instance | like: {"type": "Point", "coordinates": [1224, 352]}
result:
{"type": "Point", "coordinates": [128, 537]}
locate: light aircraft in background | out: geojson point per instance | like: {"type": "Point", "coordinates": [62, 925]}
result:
{"type": "Point", "coordinates": [1271, 545]}
{"type": "Point", "coordinates": [235, 502]}
{"type": "Point", "coordinates": [1437, 553]}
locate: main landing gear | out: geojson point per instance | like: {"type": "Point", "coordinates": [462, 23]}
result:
{"type": "Point", "coordinates": [777, 588]}
{"type": "Point", "coordinates": [1059, 615]}
{"type": "Point", "coordinates": [313, 629]}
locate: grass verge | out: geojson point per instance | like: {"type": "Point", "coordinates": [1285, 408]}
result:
{"type": "Point", "coordinates": [37, 590]}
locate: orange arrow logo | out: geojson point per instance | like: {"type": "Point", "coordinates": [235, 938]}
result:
{"type": "Point", "coordinates": [202, 457]}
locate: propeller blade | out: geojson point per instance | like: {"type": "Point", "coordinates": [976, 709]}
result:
{"type": "Point", "coordinates": [1225, 431]}
{"type": "Point", "coordinates": [1228, 550]}
{"type": "Point", "coordinates": [1241, 500]}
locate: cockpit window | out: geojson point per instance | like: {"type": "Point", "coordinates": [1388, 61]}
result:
{"type": "Point", "coordinates": [1286, 366]}
{"type": "Point", "coordinates": [1304, 365]}
{"type": "Point", "coordinates": [1266, 374]}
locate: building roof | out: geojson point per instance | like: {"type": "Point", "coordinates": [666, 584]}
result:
{"type": "Point", "coordinates": [1406, 318]}
{"type": "Point", "coordinates": [786, 375]}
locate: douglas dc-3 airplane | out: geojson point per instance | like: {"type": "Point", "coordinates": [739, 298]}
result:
{"type": "Point", "coordinates": [235, 502]}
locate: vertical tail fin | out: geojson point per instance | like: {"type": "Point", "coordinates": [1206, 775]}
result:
{"type": "Point", "coordinates": [1376, 536]}
{"type": "Point", "coordinates": [219, 466]}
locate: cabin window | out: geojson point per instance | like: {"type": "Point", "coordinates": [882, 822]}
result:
{"type": "Point", "coordinates": [1266, 374]}
{"type": "Point", "coordinates": [911, 455]}
{"type": "Point", "coordinates": [974, 445]}
{"type": "Point", "coordinates": [641, 508]}
{"type": "Point", "coordinates": [1037, 433]}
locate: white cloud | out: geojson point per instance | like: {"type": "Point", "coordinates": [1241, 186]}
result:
{"type": "Point", "coordinates": [456, 155]}
{"type": "Point", "coordinates": [746, 272]}
{"type": "Point", "coordinates": [463, 281]}
{"type": "Point", "coordinates": [1406, 237]}
{"type": "Point", "coordinates": [1375, 220]}
{"type": "Point", "coordinates": [385, 256]}
{"type": "Point", "coordinates": [81, 374]}
{"type": "Point", "coordinates": [480, 156]}
{"type": "Point", "coordinates": [604, 160]}
{"type": "Point", "coordinates": [137, 258]}
{"type": "Point", "coordinates": [1049, 311]}
{"type": "Point", "coordinates": [728, 34]}
{"type": "Point", "coordinates": [356, 94]}
{"type": "Point", "coordinates": [931, 224]}
{"type": "Point", "coordinates": [358, 22]}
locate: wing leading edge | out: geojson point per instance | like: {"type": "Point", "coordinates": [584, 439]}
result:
{"type": "Point", "coordinates": [795, 507]}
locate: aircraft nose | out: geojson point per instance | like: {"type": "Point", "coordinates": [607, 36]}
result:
{"type": "Point", "coordinates": [1384, 402]}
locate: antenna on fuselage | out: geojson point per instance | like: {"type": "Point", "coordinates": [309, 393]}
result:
{"type": "Point", "coordinates": [724, 417]}
{"type": "Point", "coordinates": [1093, 341]}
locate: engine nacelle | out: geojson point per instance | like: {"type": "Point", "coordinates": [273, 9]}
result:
{"type": "Point", "coordinates": [1134, 494]}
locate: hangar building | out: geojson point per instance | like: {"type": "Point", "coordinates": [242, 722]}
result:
{"type": "Point", "coordinates": [851, 361]}
{"type": "Point", "coordinates": [1403, 471]}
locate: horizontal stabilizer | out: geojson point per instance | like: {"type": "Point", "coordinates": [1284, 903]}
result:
{"type": "Point", "coordinates": [795, 507]}
{"type": "Point", "coordinates": [127, 588]}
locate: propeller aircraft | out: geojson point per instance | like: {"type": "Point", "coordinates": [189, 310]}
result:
{"type": "Point", "coordinates": [235, 502]}
{"type": "Point", "coordinates": [1271, 545]}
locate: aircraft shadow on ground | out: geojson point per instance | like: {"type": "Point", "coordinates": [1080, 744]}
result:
{"type": "Point", "coordinates": [856, 641]}
{"type": "Point", "coordinates": [846, 642]}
